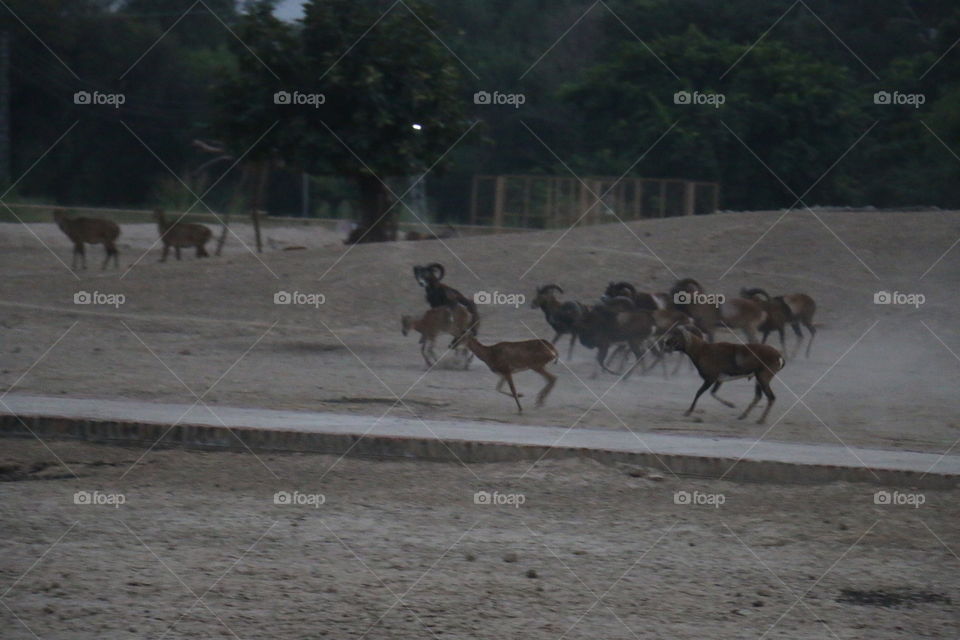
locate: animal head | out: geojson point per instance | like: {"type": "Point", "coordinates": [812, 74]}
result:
{"type": "Point", "coordinates": [60, 217]}
{"type": "Point", "coordinates": [429, 274]}
{"type": "Point", "coordinates": [678, 338]}
{"type": "Point", "coordinates": [754, 294]}
{"type": "Point", "coordinates": [620, 289]}
{"type": "Point", "coordinates": [544, 294]}
{"type": "Point", "coordinates": [406, 323]}
{"type": "Point", "coordinates": [687, 284]}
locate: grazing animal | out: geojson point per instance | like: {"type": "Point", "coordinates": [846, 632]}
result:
{"type": "Point", "coordinates": [181, 235]}
{"type": "Point", "coordinates": [722, 361]}
{"type": "Point", "coordinates": [508, 358]}
{"type": "Point", "coordinates": [734, 314]}
{"type": "Point", "coordinates": [453, 320]}
{"type": "Point", "coordinates": [89, 231]}
{"type": "Point", "coordinates": [561, 316]}
{"type": "Point", "coordinates": [443, 295]}
{"type": "Point", "coordinates": [795, 308]}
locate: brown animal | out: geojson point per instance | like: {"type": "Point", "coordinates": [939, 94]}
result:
{"type": "Point", "coordinates": [89, 231]}
{"type": "Point", "coordinates": [734, 314]}
{"type": "Point", "coordinates": [181, 235]}
{"type": "Point", "coordinates": [795, 308]}
{"type": "Point", "coordinates": [508, 358]}
{"type": "Point", "coordinates": [722, 361]}
{"type": "Point", "coordinates": [453, 320]}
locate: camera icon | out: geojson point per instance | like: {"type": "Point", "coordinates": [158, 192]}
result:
{"type": "Point", "coordinates": [482, 97]}
{"type": "Point", "coordinates": [882, 297]}
{"type": "Point", "coordinates": [682, 97]}
{"type": "Point", "coordinates": [881, 497]}
{"type": "Point", "coordinates": [282, 97]}
{"type": "Point", "coordinates": [481, 497]}
{"type": "Point", "coordinates": [82, 497]}
{"type": "Point", "coordinates": [681, 497]}
{"type": "Point", "coordinates": [282, 497]}
{"type": "Point", "coordinates": [683, 297]}
{"type": "Point", "coordinates": [882, 97]}
{"type": "Point", "coordinates": [482, 297]}
{"type": "Point", "coordinates": [82, 297]}
{"type": "Point", "coordinates": [282, 297]}
{"type": "Point", "coordinates": [82, 97]}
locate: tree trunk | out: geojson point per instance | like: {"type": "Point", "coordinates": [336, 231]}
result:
{"type": "Point", "coordinates": [375, 223]}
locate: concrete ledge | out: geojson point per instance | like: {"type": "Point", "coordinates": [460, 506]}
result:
{"type": "Point", "coordinates": [379, 445]}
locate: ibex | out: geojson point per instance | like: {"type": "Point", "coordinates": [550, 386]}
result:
{"type": "Point", "coordinates": [89, 231]}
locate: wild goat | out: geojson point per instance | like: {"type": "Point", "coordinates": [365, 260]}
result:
{"type": "Point", "coordinates": [722, 361]}
{"type": "Point", "coordinates": [89, 231]}
{"type": "Point", "coordinates": [664, 320]}
{"type": "Point", "coordinates": [641, 300]}
{"type": "Point", "coordinates": [508, 358]}
{"type": "Point", "coordinates": [561, 316]}
{"type": "Point", "coordinates": [453, 320]}
{"type": "Point", "coordinates": [615, 321]}
{"type": "Point", "coordinates": [795, 308]}
{"type": "Point", "coordinates": [442, 295]}
{"type": "Point", "coordinates": [181, 234]}
{"type": "Point", "coordinates": [734, 314]}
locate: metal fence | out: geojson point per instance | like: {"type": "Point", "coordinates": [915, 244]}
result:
{"type": "Point", "coordinates": [543, 202]}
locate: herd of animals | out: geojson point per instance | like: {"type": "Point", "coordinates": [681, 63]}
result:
{"type": "Point", "coordinates": [176, 234]}
{"type": "Point", "coordinates": [630, 321]}
{"type": "Point", "coordinates": [624, 319]}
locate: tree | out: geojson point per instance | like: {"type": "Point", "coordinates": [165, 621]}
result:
{"type": "Point", "coordinates": [338, 103]}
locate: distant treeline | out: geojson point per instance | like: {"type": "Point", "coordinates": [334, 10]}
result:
{"type": "Point", "coordinates": [841, 102]}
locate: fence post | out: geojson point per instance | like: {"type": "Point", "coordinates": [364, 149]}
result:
{"type": "Point", "coordinates": [689, 198]}
{"type": "Point", "coordinates": [499, 188]}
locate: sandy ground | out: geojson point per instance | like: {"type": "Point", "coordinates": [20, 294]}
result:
{"type": "Point", "coordinates": [591, 552]}
{"type": "Point", "coordinates": [879, 374]}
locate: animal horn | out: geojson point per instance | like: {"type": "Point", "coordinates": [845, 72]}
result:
{"type": "Point", "coordinates": [547, 287]}
{"type": "Point", "coordinates": [436, 266]}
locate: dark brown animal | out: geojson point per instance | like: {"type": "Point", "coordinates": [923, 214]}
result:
{"type": "Point", "coordinates": [722, 361]}
{"type": "Point", "coordinates": [793, 308]}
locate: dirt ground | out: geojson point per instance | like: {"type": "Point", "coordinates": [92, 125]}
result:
{"type": "Point", "coordinates": [574, 549]}
{"type": "Point", "coordinates": [878, 376]}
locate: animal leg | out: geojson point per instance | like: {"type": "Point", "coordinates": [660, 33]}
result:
{"type": "Point", "coordinates": [713, 392]}
{"type": "Point", "coordinates": [758, 391]}
{"type": "Point", "coordinates": [770, 398]}
{"type": "Point", "coordinates": [516, 396]}
{"type": "Point", "coordinates": [813, 332]}
{"type": "Point", "coordinates": [166, 250]}
{"type": "Point", "coordinates": [500, 387]}
{"type": "Point", "coordinates": [573, 339]}
{"type": "Point", "coordinates": [424, 350]}
{"type": "Point", "coordinates": [706, 384]}
{"type": "Point", "coordinates": [551, 380]}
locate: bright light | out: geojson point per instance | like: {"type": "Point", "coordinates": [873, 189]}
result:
{"type": "Point", "coordinates": [417, 127]}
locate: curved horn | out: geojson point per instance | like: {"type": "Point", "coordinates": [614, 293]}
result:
{"type": "Point", "coordinates": [750, 293]}
{"type": "Point", "coordinates": [436, 266]}
{"type": "Point", "coordinates": [629, 287]}
{"type": "Point", "coordinates": [549, 287]}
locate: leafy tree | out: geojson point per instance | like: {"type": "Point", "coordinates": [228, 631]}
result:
{"type": "Point", "coordinates": [375, 89]}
